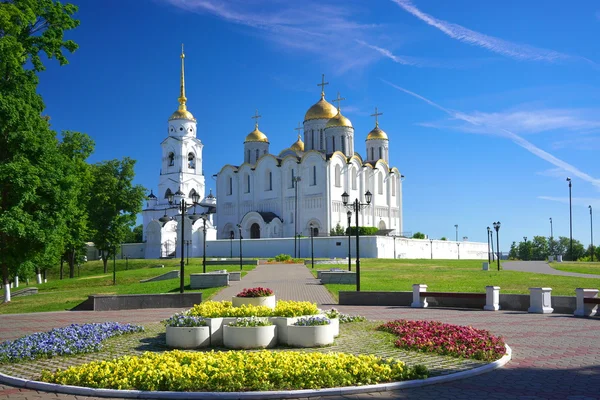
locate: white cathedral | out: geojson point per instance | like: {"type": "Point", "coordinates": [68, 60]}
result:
{"type": "Point", "coordinates": [272, 195]}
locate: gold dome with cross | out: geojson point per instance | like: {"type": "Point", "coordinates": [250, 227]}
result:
{"type": "Point", "coordinates": [377, 132]}
{"type": "Point", "coordinates": [256, 135]}
{"type": "Point", "coordinates": [339, 119]}
{"type": "Point", "coordinates": [322, 109]}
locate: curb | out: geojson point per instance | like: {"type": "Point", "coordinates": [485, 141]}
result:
{"type": "Point", "coordinates": [288, 394]}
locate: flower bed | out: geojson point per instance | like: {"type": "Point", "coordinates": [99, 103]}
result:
{"type": "Point", "coordinates": [255, 292]}
{"type": "Point", "coordinates": [446, 339]}
{"type": "Point", "coordinates": [73, 339]}
{"type": "Point", "coordinates": [221, 309]}
{"type": "Point", "coordinates": [220, 371]}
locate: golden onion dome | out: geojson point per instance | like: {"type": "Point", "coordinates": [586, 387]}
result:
{"type": "Point", "coordinates": [321, 110]}
{"type": "Point", "coordinates": [298, 145]}
{"type": "Point", "coordinates": [377, 133]}
{"type": "Point", "coordinates": [182, 114]}
{"type": "Point", "coordinates": [339, 120]}
{"type": "Point", "coordinates": [256, 136]}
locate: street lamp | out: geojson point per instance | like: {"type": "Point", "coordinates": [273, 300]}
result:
{"type": "Point", "coordinates": [240, 229]}
{"type": "Point", "coordinates": [456, 227]}
{"type": "Point", "coordinates": [357, 206]}
{"type": "Point", "coordinates": [551, 232]}
{"type": "Point", "coordinates": [312, 248]}
{"type": "Point", "coordinates": [570, 222]}
{"type": "Point", "coordinates": [187, 244]}
{"type": "Point", "coordinates": [349, 214]}
{"type": "Point", "coordinates": [231, 235]}
{"type": "Point", "coordinates": [497, 228]}
{"type": "Point", "coordinates": [458, 250]}
{"type": "Point", "coordinates": [295, 180]}
{"type": "Point", "coordinates": [492, 242]}
{"type": "Point", "coordinates": [591, 233]}
{"type": "Point", "coordinates": [204, 218]}
{"type": "Point", "coordinates": [488, 239]}
{"type": "Point", "coordinates": [182, 206]}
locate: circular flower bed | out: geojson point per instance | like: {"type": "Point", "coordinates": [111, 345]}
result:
{"type": "Point", "coordinates": [220, 371]}
{"type": "Point", "coordinates": [222, 309]}
{"type": "Point", "coordinates": [255, 292]}
{"type": "Point", "coordinates": [446, 339]}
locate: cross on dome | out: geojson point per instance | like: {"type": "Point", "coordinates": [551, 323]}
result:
{"type": "Point", "coordinates": [255, 118]}
{"type": "Point", "coordinates": [376, 115]}
{"type": "Point", "coordinates": [299, 128]}
{"type": "Point", "coordinates": [339, 100]}
{"type": "Point", "coordinates": [322, 84]}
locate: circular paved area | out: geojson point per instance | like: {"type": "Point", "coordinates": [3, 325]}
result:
{"type": "Point", "coordinates": [555, 356]}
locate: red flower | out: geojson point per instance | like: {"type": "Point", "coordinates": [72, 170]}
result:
{"type": "Point", "coordinates": [255, 292]}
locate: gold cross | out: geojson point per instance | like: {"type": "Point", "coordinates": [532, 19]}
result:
{"type": "Point", "coordinates": [322, 84]}
{"type": "Point", "coordinates": [256, 117]}
{"type": "Point", "coordinates": [339, 99]}
{"type": "Point", "coordinates": [299, 128]}
{"type": "Point", "coordinates": [376, 115]}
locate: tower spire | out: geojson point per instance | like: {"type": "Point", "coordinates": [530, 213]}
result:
{"type": "Point", "coordinates": [182, 99]}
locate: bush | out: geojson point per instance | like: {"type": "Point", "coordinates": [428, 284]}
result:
{"type": "Point", "coordinates": [364, 230]}
{"type": "Point", "coordinates": [220, 371]}
{"type": "Point", "coordinates": [283, 257]}
{"type": "Point", "coordinates": [418, 235]}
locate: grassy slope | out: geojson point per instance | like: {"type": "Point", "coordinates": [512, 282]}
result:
{"type": "Point", "coordinates": [580, 267]}
{"type": "Point", "coordinates": [455, 276]}
{"type": "Point", "coordinates": [58, 295]}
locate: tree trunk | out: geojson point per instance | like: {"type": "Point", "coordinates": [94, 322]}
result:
{"type": "Point", "coordinates": [62, 260]}
{"type": "Point", "coordinates": [72, 264]}
{"type": "Point", "coordinates": [105, 261]}
{"type": "Point", "coordinates": [38, 275]}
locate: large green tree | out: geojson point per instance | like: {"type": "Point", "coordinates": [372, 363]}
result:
{"type": "Point", "coordinates": [113, 205]}
{"type": "Point", "coordinates": [29, 183]}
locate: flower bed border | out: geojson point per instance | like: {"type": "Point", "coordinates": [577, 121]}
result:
{"type": "Point", "coordinates": [289, 394]}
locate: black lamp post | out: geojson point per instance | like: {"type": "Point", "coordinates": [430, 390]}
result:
{"type": "Point", "coordinates": [458, 250]}
{"type": "Point", "coordinates": [551, 231]}
{"type": "Point", "coordinates": [349, 214]}
{"type": "Point", "coordinates": [488, 239]}
{"type": "Point", "coordinates": [295, 180]}
{"type": "Point", "coordinates": [187, 245]}
{"type": "Point", "coordinates": [357, 206]}
{"type": "Point", "coordinates": [591, 233]}
{"type": "Point", "coordinates": [570, 222]}
{"type": "Point", "coordinates": [492, 242]}
{"type": "Point", "coordinates": [456, 227]}
{"type": "Point", "coordinates": [182, 208]}
{"type": "Point", "coordinates": [312, 248]}
{"type": "Point", "coordinates": [240, 229]}
{"type": "Point", "coordinates": [231, 235]}
{"type": "Point", "coordinates": [204, 217]}
{"type": "Point", "coordinates": [497, 228]}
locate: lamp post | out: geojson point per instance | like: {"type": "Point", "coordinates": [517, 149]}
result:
{"type": "Point", "coordinates": [492, 243]}
{"type": "Point", "coordinates": [312, 248]}
{"type": "Point", "coordinates": [349, 214]}
{"type": "Point", "coordinates": [551, 232]}
{"type": "Point", "coordinates": [231, 235]}
{"type": "Point", "coordinates": [204, 217]}
{"type": "Point", "coordinates": [591, 233]}
{"type": "Point", "coordinates": [497, 228]}
{"type": "Point", "coordinates": [357, 206]}
{"type": "Point", "coordinates": [187, 245]}
{"type": "Point", "coordinates": [456, 227]}
{"type": "Point", "coordinates": [570, 223]}
{"type": "Point", "coordinates": [182, 206]}
{"type": "Point", "coordinates": [458, 250]}
{"type": "Point", "coordinates": [126, 263]}
{"type": "Point", "coordinates": [295, 180]}
{"type": "Point", "coordinates": [240, 229]}
{"type": "Point", "coordinates": [488, 239]}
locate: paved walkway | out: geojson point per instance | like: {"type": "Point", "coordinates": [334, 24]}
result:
{"type": "Point", "coordinates": [554, 356]}
{"type": "Point", "coordinates": [540, 267]}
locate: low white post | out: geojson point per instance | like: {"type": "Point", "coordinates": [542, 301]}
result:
{"type": "Point", "coordinates": [485, 266]}
{"type": "Point", "coordinates": [559, 258]}
{"type": "Point", "coordinates": [418, 301]}
{"type": "Point", "coordinates": [492, 298]}
{"type": "Point", "coordinates": [585, 310]}
{"type": "Point", "coordinates": [6, 293]}
{"type": "Point", "coordinates": [540, 300]}
{"type": "Point", "coordinates": [550, 258]}
{"type": "Point", "coordinates": [16, 281]}
{"type": "Point", "coordinates": [39, 279]}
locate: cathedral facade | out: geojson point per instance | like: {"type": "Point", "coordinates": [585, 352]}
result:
{"type": "Point", "coordinates": [278, 195]}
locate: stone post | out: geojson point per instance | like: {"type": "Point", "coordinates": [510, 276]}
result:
{"type": "Point", "coordinates": [418, 301]}
{"type": "Point", "coordinates": [540, 301]}
{"type": "Point", "coordinates": [585, 310]}
{"type": "Point", "coordinates": [485, 266]}
{"type": "Point", "coordinates": [492, 298]}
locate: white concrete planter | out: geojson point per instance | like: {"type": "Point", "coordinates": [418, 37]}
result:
{"type": "Point", "coordinates": [249, 337]}
{"type": "Point", "coordinates": [187, 337]}
{"type": "Point", "coordinates": [268, 301]}
{"type": "Point", "coordinates": [310, 336]}
{"type": "Point", "coordinates": [335, 326]}
{"type": "Point", "coordinates": [216, 329]}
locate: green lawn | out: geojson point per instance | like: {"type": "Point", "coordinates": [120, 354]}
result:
{"type": "Point", "coordinates": [59, 295]}
{"type": "Point", "coordinates": [580, 267]}
{"type": "Point", "coordinates": [388, 275]}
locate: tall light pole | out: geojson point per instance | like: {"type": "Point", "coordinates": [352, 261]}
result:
{"type": "Point", "coordinates": [204, 217]}
{"type": "Point", "coordinates": [312, 248]}
{"type": "Point", "coordinates": [295, 180]}
{"type": "Point", "coordinates": [492, 242]}
{"type": "Point", "coordinates": [551, 231]}
{"type": "Point", "coordinates": [240, 229]}
{"type": "Point", "coordinates": [458, 250]}
{"type": "Point", "coordinates": [591, 233]}
{"type": "Point", "coordinates": [488, 239]}
{"type": "Point", "coordinates": [456, 227]}
{"type": "Point", "coordinates": [182, 208]}
{"type": "Point", "coordinates": [231, 235]}
{"type": "Point", "coordinates": [187, 244]}
{"type": "Point", "coordinates": [349, 214]}
{"type": "Point", "coordinates": [497, 228]}
{"type": "Point", "coordinates": [570, 222]}
{"type": "Point", "coordinates": [357, 206]}
{"type": "Point", "coordinates": [551, 244]}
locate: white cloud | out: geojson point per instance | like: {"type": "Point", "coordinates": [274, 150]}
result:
{"type": "Point", "coordinates": [496, 45]}
{"type": "Point", "coordinates": [502, 132]}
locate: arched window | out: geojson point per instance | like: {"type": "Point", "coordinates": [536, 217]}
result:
{"type": "Point", "coordinates": [293, 180]}
{"type": "Point", "coordinates": [230, 188]}
{"type": "Point", "coordinates": [372, 153]}
{"type": "Point", "coordinates": [321, 141]}
{"type": "Point", "coordinates": [191, 161]}
{"type": "Point", "coordinates": [338, 173]}
{"type": "Point", "coordinates": [354, 177]}
{"type": "Point", "coordinates": [247, 184]}
{"type": "Point", "coordinates": [380, 183]}
{"type": "Point", "coordinates": [192, 193]}
{"type": "Point", "coordinates": [167, 193]}
{"type": "Point", "coordinates": [257, 154]}
{"type": "Point", "coordinates": [171, 159]}
{"type": "Point", "coordinates": [312, 139]}
{"type": "Point", "coordinates": [268, 180]}
{"type": "Point", "coordinates": [380, 153]}
{"type": "Point", "coordinates": [314, 175]}
{"type": "Point", "coordinates": [343, 140]}
{"type": "Point", "coordinates": [248, 156]}
{"type": "Point", "coordinates": [393, 185]}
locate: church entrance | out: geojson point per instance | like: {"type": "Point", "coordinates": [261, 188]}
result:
{"type": "Point", "coordinates": [255, 231]}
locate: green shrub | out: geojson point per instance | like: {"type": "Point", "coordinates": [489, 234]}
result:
{"type": "Point", "coordinates": [364, 230]}
{"type": "Point", "coordinates": [283, 257]}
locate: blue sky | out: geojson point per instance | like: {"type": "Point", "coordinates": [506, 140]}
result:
{"type": "Point", "coordinates": [489, 105]}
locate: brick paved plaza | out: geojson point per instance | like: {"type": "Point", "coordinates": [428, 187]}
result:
{"type": "Point", "coordinates": [555, 356]}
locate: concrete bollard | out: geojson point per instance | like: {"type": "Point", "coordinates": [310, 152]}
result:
{"type": "Point", "coordinates": [585, 310]}
{"type": "Point", "coordinates": [540, 301]}
{"type": "Point", "coordinates": [550, 258]}
{"type": "Point", "coordinates": [16, 281]}
{"type": "Point", "coordinates": [492, 298]}
{"type": "Point", "coordinates": [418, 301]}
{"type": "Point", "coordinates": [485, 266]}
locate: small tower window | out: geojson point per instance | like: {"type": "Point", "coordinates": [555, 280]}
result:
{"type": "Point", "coordinates": [380, 153]}
{"type": "Point", "coordinates": [314, 176]}
{"type": "Point", "coordinates": [343, 144]}
{"type": "Point", "coordinates": [321, 141]}
{"type": "Point", "coordinates": [167, 193]}
{"type": "Point", "coordinates": [191, 161]}
{"type": "Point", "coordinates": [256, 155]}
{"type": "Point", "coordinates": [372, 153]}
{"type": "Point", "coordinates": [354, 177]}
{"type": "Point", "coordinates": [293, 180]}
{"type": "Point", "coordinates": [247, 183]}
{"type": "Point", "coordinates": [171, 159]}
{"type": "Point", "coordinates": [338, 173]}
{"type": "Point", "coordinates": [230, 188]}
{"type": "Point", "coordinates": [394, 186]}
{"type": "Point", "coordinates": [312, 139]}
{"type": "Point", "coordinates": [380, 183]}
{"type": "Point", "coordinates": [248, 156]}
{"type": "Point", "coordinates": [269, 179]}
